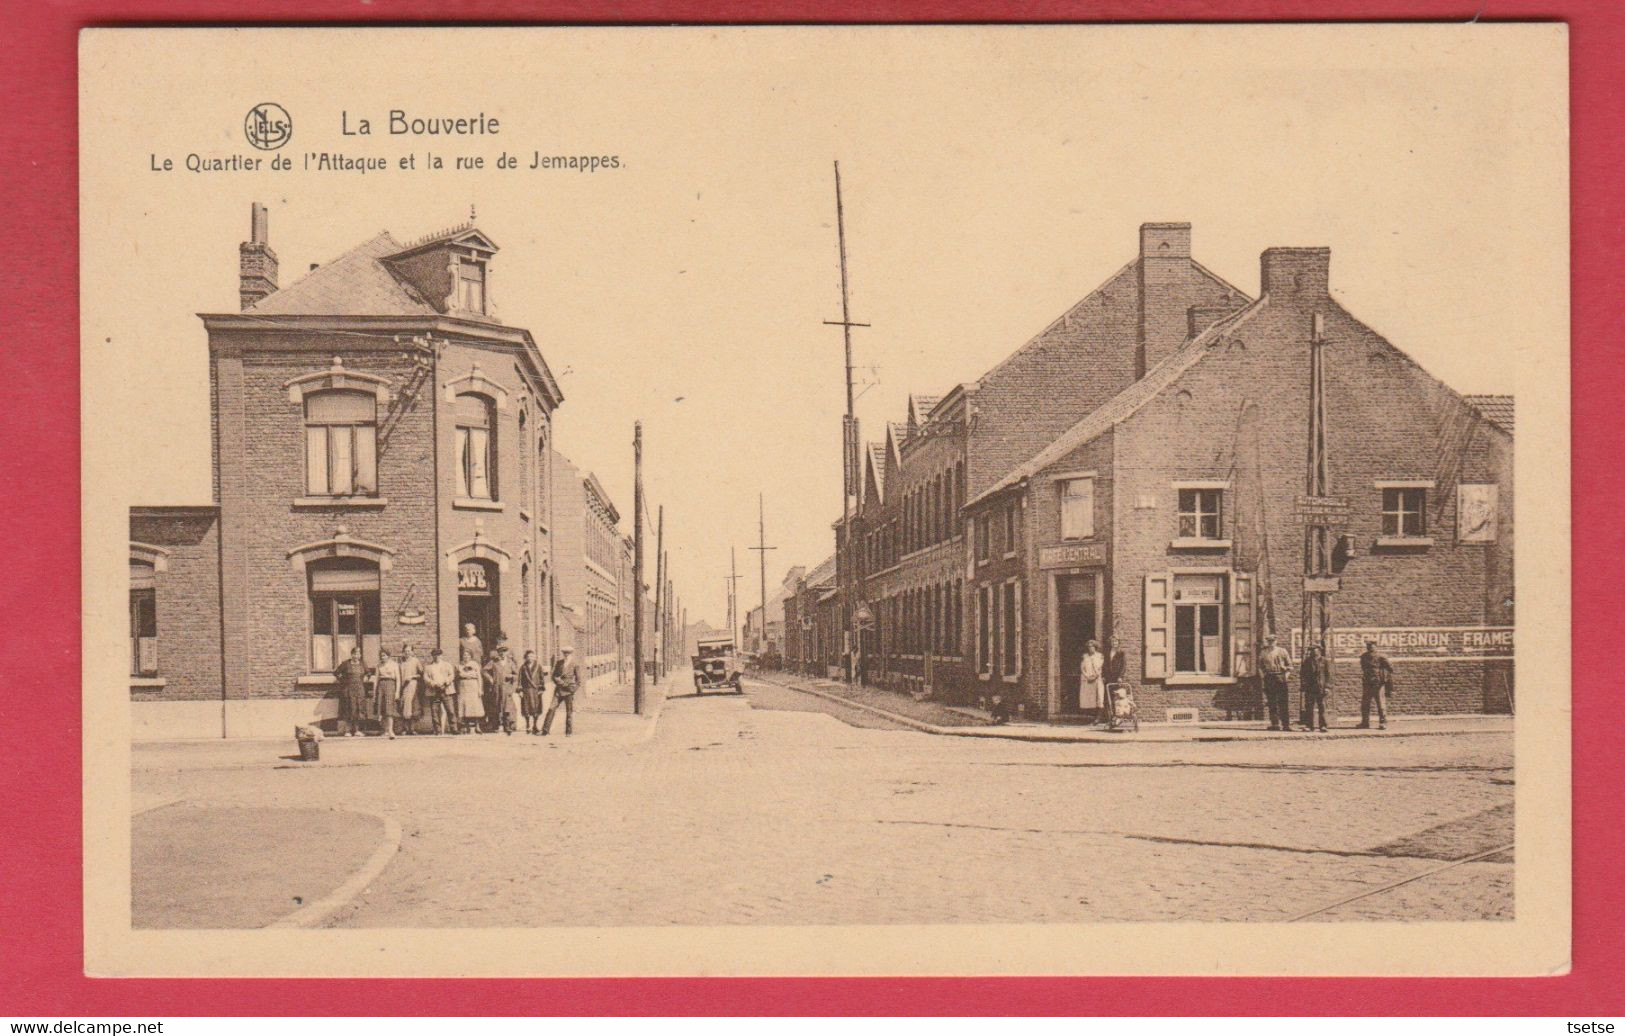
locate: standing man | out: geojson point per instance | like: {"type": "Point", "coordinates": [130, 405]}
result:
{"type": "Point", "coordinates": [1316, 680]}
{"type": "Point", "coordinates": [501, 681]}
{"type": "Point", "coordinates": [439, 681]}
{"type": "Point", "coordinates": [411, 689]}
{"type": "Point", "coordinates": [1274, 663]}
{"type": "Point", "coordinates": [566, 680]}
{"type": "Point", "coordinates": [469, 648]}
{"type": "Point", "coordinates": [532, 692]}
{"type": "Point", "coordinates": [1375, 674]}
{"type": "Point", "coordinates": [1116, 664]}
{"type": "Point", "coordinates": [351, 676]}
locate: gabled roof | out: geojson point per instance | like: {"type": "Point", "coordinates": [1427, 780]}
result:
{"type": "Point", "coordinates": [464, 234]}
{"type": "Point", "coordinates": [920, 407]}
{"type": "Point", "coordinates": [877, 467]}
{"type": "Point", "coordinates": [1497, 410]}
{"type": "Point", "coordinates": [1127, 402]}
{"type": "Point", "coordinates": [357, 283]}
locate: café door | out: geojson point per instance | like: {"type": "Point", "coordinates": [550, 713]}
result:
{"type": "Point", "coordinates": [479, 601]}
{"type": "Point", "coordinates": [1073, 625]}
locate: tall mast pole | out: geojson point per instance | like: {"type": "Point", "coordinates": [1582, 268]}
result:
{"type": "Point", "coordinates": [733, 595]}
{"type": "Point", "coordinates": [637, 568]}
{"type": "Point", "coordinates": [849, 440]}
{"type": "Point", "coordinates": [660, 591]}
{"type": "Point", "coordinates": [762, 548]}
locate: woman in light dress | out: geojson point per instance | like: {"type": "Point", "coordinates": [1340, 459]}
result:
{"type": "Point", "coordinates": [470, 690]}
{"type": "Point", "coordinates": [1092, 687]}
{"type": "Point", "coordinates": [386, 692]}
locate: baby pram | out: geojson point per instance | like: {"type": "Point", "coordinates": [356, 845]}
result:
{"type": "Point", "coordinates": [1124, 715]}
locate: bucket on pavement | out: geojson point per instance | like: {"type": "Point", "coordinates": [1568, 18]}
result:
{"type": "Point", "coordinates": [310, 743]}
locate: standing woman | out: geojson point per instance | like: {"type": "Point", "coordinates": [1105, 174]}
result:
{"type": "Point", "coordinates": [470, 684]}
{"type": "Point", "coordinates": [387, 692]}
{"type": "Point", "coordinates": [412, 696]}
{"type": "Point", "coordinates": [532, 689]}
{"type": "Point", "coordinates": [1092, 686]}
{"type": "Point", "coordinates": [351, 675]}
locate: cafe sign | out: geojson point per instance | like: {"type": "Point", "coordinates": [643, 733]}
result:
{"type": "Point", "coordinates": [1418, 643]}
{"type": "Point", "coordinates": [471, 578]}
{"type": "Point", "coordinates": [1067, 554]}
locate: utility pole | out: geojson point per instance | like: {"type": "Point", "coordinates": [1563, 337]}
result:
{"type": "Point", "coordinates": [660, 577]}
{"type": "Point", "coordinates": [637, 568]}
{"type": "Point", "coordinates": [762, 548]}
{"type": "Point", "coordinates": [850, 471]}
{"type": "Point", "coordinates": [733, 595]}
{"type": "Point", "coordinates": [1321, 514]}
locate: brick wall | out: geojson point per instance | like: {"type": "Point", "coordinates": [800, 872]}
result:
{"type": "Point", "coordinates": [187, 594]}
{"type": "Point", "coordinates": [1241, 415]}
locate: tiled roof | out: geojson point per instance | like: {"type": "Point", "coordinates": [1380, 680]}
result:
{"type": "Point", "coordinates": [877, 459]}
{"type": "Point", "coordinates": [1498, 410]}
{"type": "Point", "coordinates": [354, 284]}
{"type": "Point", "coordinates": [1127, 402]}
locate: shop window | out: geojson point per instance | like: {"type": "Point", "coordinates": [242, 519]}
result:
{"type": "Point", "coordinates": [1404, 512]}
{"type": "Point", "coordinates": [341, 443]}
{"type": "Point", "coordinates": [1199, 625]}
{"type": "Point", "coordinates": [143, 620]}
{"type": "Point", "coordinates": [471, 287]}
{"type": "Point", "coordinates": [476, 447]}
{"type": "Point", "coordinates": [1077, 508]}
{"type": "Point", "coordinates": [1010, 634]}
{"type": "Point", "coordinates": [344, 612]}
{"type": "Point", "coordinates": [1201, 515]}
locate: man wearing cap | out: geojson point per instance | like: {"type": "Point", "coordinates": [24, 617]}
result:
{"type": "Point", "coordinates": [566, 681]}
{"type": "Point", "coordinates": [1274, 663]}
{"type": "Point", "coordinates": [1375, 674]}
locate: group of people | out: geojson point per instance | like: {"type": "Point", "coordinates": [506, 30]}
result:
{"type": "Point", "coordinates": [1101, 692]}
{"type": "Point", "coordinates": [1315, 686]}
{"type": "Point", "coordinates": [482, 693]}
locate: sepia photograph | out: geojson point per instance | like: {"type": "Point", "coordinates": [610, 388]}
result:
{"type": "Point", "coordinates": [911, 500]}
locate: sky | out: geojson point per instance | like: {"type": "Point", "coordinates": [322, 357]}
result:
{"type": "Point", "coordinates": [992, 178]}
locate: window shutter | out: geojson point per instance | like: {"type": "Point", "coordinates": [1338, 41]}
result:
{"type": "Point", "coordinates": [1242, 624]}
{"type": "Point", "coordinates": [1158, 591]}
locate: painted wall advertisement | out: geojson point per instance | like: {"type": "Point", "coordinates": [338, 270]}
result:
{"type": "Point", "coordinates": [1418, 643]}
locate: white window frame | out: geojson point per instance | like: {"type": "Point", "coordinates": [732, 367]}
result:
{"type": "Point", "coordinates": [1225, 604]}
{"type": "Point", "coordinates": [359, 453]}
{"type": "Point", "coordinates": [1401, 486]}
{"type": "Point", "coordinates": [1063, 484]}
{"type": "Point", "coordinates": [1012, 632]}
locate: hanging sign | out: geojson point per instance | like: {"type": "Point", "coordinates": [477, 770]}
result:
{"type": "Point", "coordinates": [1322, 584]}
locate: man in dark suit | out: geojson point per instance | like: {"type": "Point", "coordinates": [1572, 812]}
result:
{"type": "Point", "coordinates": [1376, 674]}
{"type": "Point", "coordinates": [566, 681]}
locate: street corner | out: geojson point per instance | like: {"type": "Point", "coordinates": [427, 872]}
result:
{"type": "Point", "coordinates": [199, 865]}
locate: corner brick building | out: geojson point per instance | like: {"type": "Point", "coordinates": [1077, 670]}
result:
{"type": "Point", "coordinates": [381, 445]}
{"type": "Point", "coordinates": [1167, 520]}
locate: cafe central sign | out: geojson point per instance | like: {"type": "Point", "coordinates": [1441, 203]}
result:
{"type": "Point", "coordinates": [1418, 643]}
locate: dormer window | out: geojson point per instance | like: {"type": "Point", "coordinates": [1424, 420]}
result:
{"type": "Point", "coordinates": [471, 287]}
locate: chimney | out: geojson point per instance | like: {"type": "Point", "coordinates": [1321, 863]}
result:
{"type": "Point", "coordinates": [256, 265]}
{"type": "Point", "coordinates": [1292, 272]}
{"type": "Point", "coordinates": [1165, 267]}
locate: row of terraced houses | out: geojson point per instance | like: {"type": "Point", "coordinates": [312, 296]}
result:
{"type": "Point", "coordinates": [384, 473]}
{"type": "Point", "coordinates": [1132, 474]}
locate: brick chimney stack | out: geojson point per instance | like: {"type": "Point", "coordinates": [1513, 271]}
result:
{"type": "Point", "coordinates": [1165, 270]}
{"type": "Point", "coordinates": [256, 267]}
{"type": "Point", "coordinates": [1289, 272]}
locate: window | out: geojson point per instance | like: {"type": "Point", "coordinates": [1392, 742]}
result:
{"type": "Point", "coordinates": [1077, 508]}
{"type": "Point", "coordinates": [344, 612]}
{"type": "Point", "coordinates": [1199, 626]}
{"type": "Point", "coordinates": [476, 447]}
{"type": "Point", "coordinates": [1011, 634]}
{"type": "Point", "coordinates": [1200, 514]}
{"type": "Point", "coordinates": [1404, 512]}
{"type": "Point", "coordinates": [984, 629]}
{"type": "Point", "coordinates": [471, 287]}
{"type": "Point", "coordinates": [341, 443]}
{"type": "Point", "coordinates": [143, 620]}
{"type": "Point", "coordinates": [1011, 526]}
{"type": "Point", "coordinates": [981, 537]}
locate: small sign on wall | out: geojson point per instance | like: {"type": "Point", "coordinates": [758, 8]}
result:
{"type": "Point", "coordinates": [1476, 506]}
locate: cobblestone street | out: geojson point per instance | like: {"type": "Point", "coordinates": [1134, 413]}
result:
{"type": "Point", "coordinates": [780, 808]}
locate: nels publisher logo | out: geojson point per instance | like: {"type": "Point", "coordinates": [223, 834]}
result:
{"type": "Point", "coordinates": [268, 126]}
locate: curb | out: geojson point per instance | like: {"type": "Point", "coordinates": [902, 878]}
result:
{"type": "Point", "coordinates": [313, 915]}
{"type": "Point", "coordinates": [1057, 738]}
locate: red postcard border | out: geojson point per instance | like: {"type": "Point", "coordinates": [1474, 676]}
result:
{"type": "Point", "coordinates": [40, 855]}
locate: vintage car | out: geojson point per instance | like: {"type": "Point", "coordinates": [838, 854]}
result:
{"type": "Point", "coordinates": [715, 665]}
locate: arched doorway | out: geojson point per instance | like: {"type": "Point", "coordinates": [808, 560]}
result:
{"type": "Point", "coordinates": [479, 599]}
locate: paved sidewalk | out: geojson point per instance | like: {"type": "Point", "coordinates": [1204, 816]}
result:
{"type": "Point", "coordinates": [596, 729]}
{"type": "Point", "coordinates": [936, 718]}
